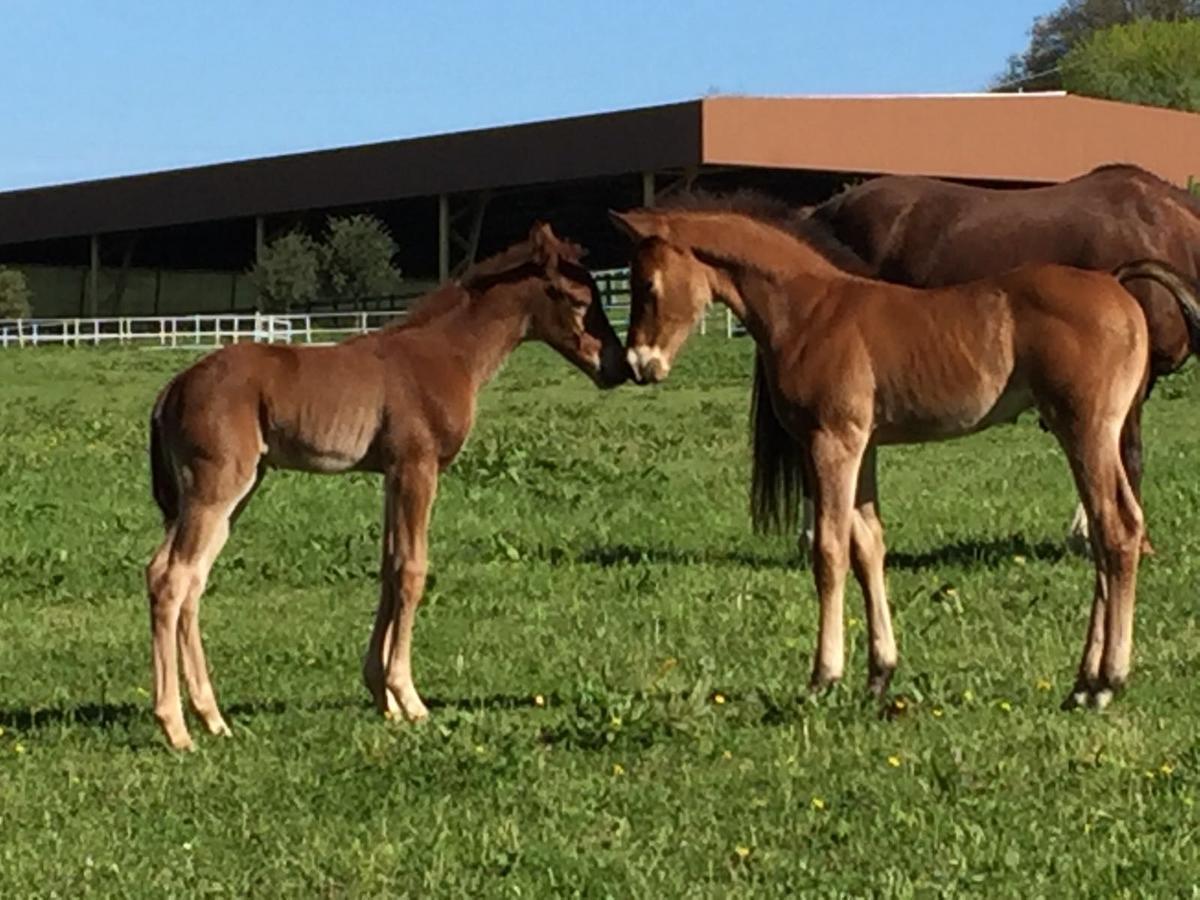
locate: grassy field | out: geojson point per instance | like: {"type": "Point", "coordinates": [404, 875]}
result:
{"type": "Point", "coordinates": [614, 662]}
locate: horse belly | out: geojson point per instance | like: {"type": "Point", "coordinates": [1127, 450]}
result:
{"type": "Point", "coordinates": [340, 447]}
{"type": "Point", "coordinates": [954, 418]}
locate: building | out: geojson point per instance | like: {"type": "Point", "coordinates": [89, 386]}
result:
{"type": "Point", "coordinates": [182, 240]}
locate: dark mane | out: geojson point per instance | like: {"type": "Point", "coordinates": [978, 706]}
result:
{"type": "Point", "coordinates": [454, 294]}
{"type": "Point", "coordinates": [778, 213]}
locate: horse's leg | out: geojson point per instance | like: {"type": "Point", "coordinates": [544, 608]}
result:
{"type": "Point", "coordinates": [412, 490]}
{"type": "Point", "coordinates": [379, 647]}
{"type": "Point", "coordinates": [175, 579]}
{"type": "Point", "coordinates": [1116, 527]}
{"type": "Point", "coordinates": [834, 463]}
{"type": "Point", "coordinates": [867, 553]}
{"type": "Point", "coordinates": [201, 696]}
{"type": "Point", "coordinates": [1131, 459]}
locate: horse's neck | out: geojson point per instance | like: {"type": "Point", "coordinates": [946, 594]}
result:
{"type": "Point", "coordinates": [482, 331]}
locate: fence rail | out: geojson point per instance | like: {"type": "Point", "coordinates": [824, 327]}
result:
{"type": "Point", "coordinates": [214, 330]}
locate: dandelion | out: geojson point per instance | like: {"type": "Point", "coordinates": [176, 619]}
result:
{"type": "Point", "coordinates": [1166, 768]}
{"type": "Point", "coordinates": [479, 748]}
{"type": "Point", "coordinates": [615, 722]}
{"type": "Point", "coordinates": [937, 712]}
{"type": "Point", "coordinates": [741, 851]}
{"type": "Point", "coordinates": [1149, 775]}
{"type": "Point", "coordinates": [539, 700]}
{"type": "Point", "coordinates": [852, 622]}
{"type": "Point", "coordinates": [1043, 684]}
{"type": "Point", "coordinates": [718, 699]}
{"type": "Point", "coordinates": [1005, 705]}
{"type": "Point", "coordinates": [727, 755]}
{"type": "Point", "coordinates": [1019, 560]}
{"type": "Point", "coordinates": [618, 770]}
{"type": "Point", "coordinates": [968, 695]}
{"type": "Point", "coordinates": [894, 762]}
{"type": "Point", "coordinates": [900, 704]}
{"type": "Point", "coordinates": [18, 749]}
{"type": "Point", "coordinates": [818, 804]}
{"type": "Point", "coordinates": [1, 731]}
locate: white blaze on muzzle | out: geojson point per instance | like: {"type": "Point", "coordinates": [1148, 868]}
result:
{"type": "Point", "coordinates": [644, 359]}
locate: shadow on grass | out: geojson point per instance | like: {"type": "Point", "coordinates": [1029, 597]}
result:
{"type": "Point", "coordinates": [988, 553]}
{"type": "Point", "coordinates": [88, 715]}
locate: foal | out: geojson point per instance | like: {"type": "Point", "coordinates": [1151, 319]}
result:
{"type": "Point", "coordinates": [400, 401]}
{"type": "Point", "coordinates": [850, 363]}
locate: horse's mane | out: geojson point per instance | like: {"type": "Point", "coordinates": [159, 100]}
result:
{"type": "Point", "coordinates": [776, 213]}
{"type": "Point", "coordinates": [454, 295]}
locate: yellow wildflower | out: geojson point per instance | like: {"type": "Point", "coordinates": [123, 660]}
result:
{"type": "Point", "coordinates": [718, 699]}
{"type": "Point", "coordinates": [1166, 768]}
{"type": "Point", "coordinates": [539, 700]}
{"type": "Point", "coordinates": [900, 703]}
{"type": "Point", "coordinates": [741, 851]}
{"type": "Point", "coordinates": [894, 762]}
{"type": "Point", "coordinates": [968, 695]}
{"type": "Point", "coordinates": [618, 769]}
{"type": "Point", "coordinates": [479, 748]}
{"type": "Point", "coordinates": [937, 712]}
{"type": "Point", "coordinates": [818, 803]}
{"type": "Point", "coordinates": [1005, 705]}
{"type": "Point", "coordinates": [852, 622]}
{"type": "Point", "coordinates": [1043, 684]}
{"type": "Point", "coordinates": [727, 755]}
{"type": "Point", "coordinates": [18, 748]}
{"type": "Point", "coordinates": [1019, 560]}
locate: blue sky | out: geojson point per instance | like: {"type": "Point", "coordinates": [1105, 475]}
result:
{"type": "Point", "coordinates": [91, 89]}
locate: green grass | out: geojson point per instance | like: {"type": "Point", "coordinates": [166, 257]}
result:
{"type": "Point", "coordinates": [592, 549]}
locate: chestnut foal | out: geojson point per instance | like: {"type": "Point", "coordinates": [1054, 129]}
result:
{"type": "Point", "coordinates": [400, 401]}
{"type": "Point", "coordinates": [849, 363]}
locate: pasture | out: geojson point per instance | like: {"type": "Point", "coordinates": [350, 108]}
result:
{"type": "Point", "coordinates": [614, 663]}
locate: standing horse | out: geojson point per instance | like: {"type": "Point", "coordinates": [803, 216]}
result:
{"type": "Point", "coordinates": [851, 363]}
{"type": "Point", "coordinates": [929, 233]}
{"type": "Point", "coordinates": [400, 401]}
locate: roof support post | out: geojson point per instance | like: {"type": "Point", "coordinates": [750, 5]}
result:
{"type": "Point", "coordinates": [260, 238]}
{"type": "Point", "coordinates": [94, 276]}
{"type": "Point", "coordinates": [647, 189]}
{"type": "Point", "coordinates": [443, 237]}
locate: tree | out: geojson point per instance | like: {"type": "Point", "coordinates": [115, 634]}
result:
{"type": "Point", "coordinates": [1155, 63]}
{"type": "Point", "coordinates": [288, 273]}
{"type": "Point", "coordinates": [1052, 36]}
{"type": "Point", "coordinates": [15, 300]}
{"type": "Point", "coordinates": [357, 259]}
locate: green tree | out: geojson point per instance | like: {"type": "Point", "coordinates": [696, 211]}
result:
{"type": "Point", "coordinates": [288, 274]}
{"type": "Point", "coordinates": [1054, 35]}
{"type": "Point", "coordinates": [357, 259]}
{"type": "Point", "coordinates": [1155, 63]}
{"type": "Point", "coordinates": [15, 298]}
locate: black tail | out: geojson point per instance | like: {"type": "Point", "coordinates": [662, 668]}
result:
{"type": "Point", "coordinates": [777, 483]}
{"type": "Point", "coordinates": [1183, 288]}
{"type": "Point", "coordinates": [162, 473]}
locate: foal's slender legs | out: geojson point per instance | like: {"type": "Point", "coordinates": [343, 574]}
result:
{"type": "Point", "coordinates": [1117, 530]}
{"type": "Point", "coordinates": [834, 461]}
{"type": "Point", "coordinates": [867, 553]}
{"type": "Point", "coordinates": [411, 490]}
{"type": "Point", "coordinates": [175, 580]}
{"type": "Point", "coordinates": [379, 647]}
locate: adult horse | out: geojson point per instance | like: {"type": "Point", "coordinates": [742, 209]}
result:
{"type": "Point", "coordinates": [400, 401]}
{"type": "Point", "coordinates": [929, 233]}
{"type": "Point", "coordinates": [851, 363]}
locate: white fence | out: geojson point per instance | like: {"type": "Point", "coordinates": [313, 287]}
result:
{"type": "Point", "coordinates": [200, 331]}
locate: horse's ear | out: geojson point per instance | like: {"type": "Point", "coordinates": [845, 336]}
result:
{"type": "Point", "coordinates": [637, 224]}
{"type": "Point", "coordinates": [543, 245]}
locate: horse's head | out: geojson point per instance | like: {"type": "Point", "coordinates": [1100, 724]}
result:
{"type": "Point", "coordinates": [670, 290]}
{"type": "Point", "coordinates": [566, 312]}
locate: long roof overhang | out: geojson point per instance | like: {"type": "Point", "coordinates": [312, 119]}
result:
{"type": "Point", "coordinates": [1009, 137]}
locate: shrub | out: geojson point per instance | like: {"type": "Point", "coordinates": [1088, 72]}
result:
{"type": "Point", "coordinates": [288, 273]}
{"type": "Point", "coordinates": [15, 301]}
{"type": "Point", "coordinates": [356, 259]}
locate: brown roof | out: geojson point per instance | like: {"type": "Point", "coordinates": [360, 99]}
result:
{"type": "Point", "coordinates": [1020, 137]}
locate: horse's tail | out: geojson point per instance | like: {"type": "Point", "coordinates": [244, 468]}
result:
{"type": "Point", "coordinates": [1183, 288]}
{"type": "Point", "coordinates": [777, 483]}
{"type": "Point", "coordinates": [162, 473]}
